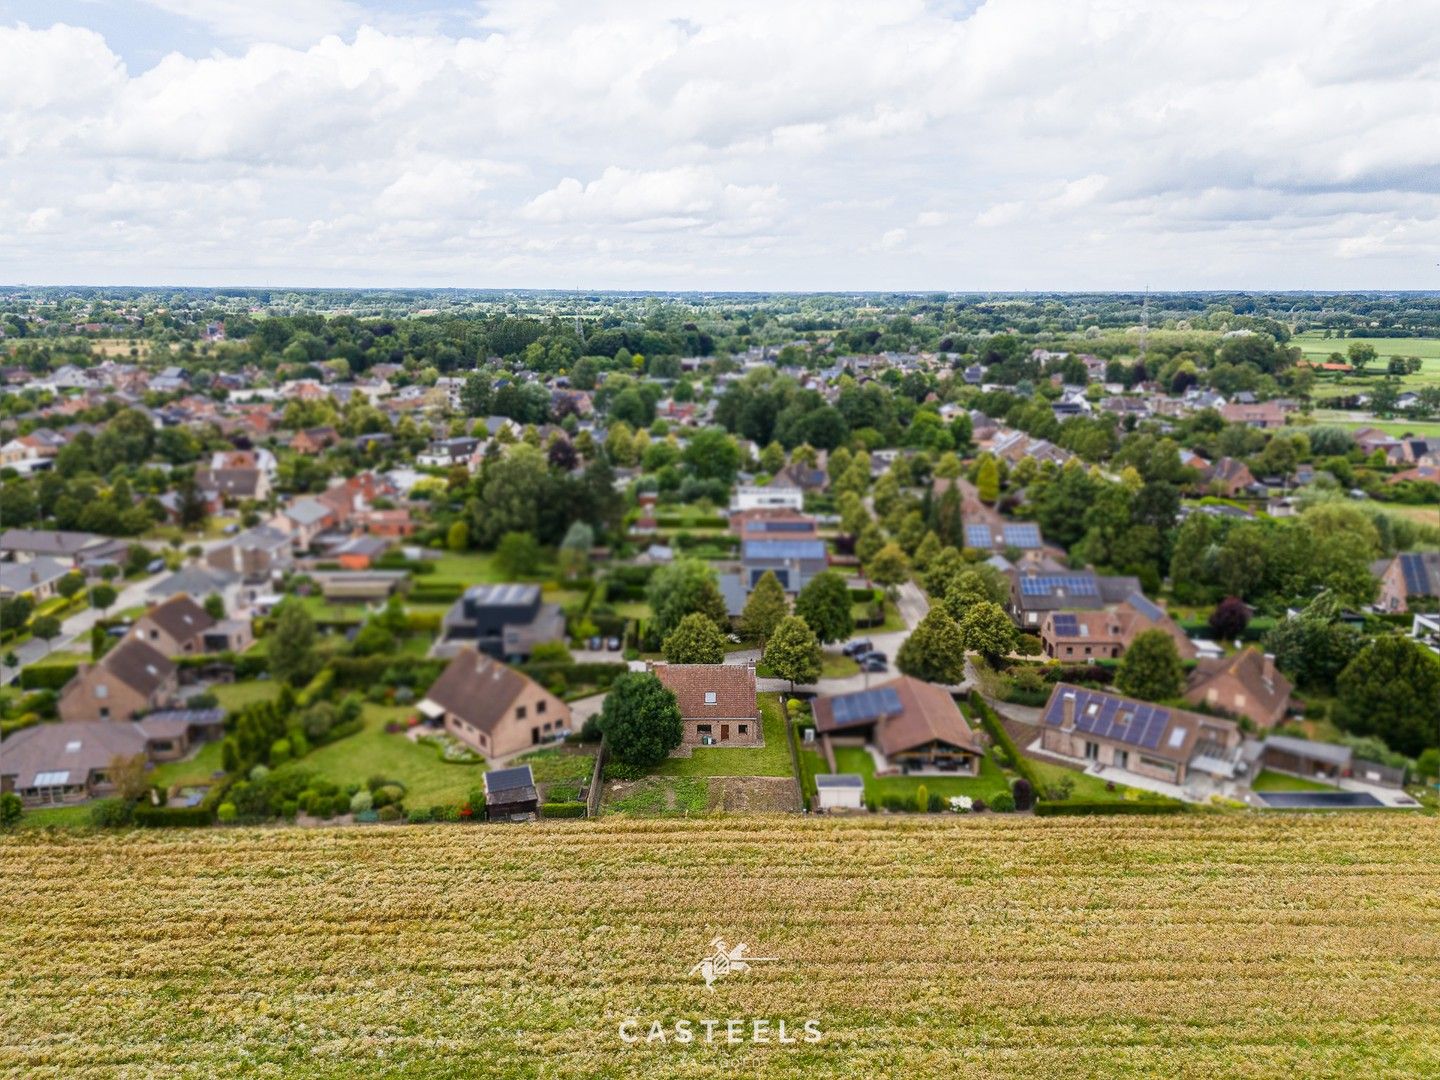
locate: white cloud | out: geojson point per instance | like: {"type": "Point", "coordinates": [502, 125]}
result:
{"type": "Point", "coordinates": [1033, 143]}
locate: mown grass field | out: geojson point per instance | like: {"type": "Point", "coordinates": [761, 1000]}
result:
{"type": "Point", "coordinates": [1185, 947]}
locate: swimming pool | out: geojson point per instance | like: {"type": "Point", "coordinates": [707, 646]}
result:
{"type": "Point", "coordinates": [1318, 800]}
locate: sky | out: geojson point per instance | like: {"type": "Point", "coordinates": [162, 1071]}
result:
{"type": "Point", "coordinates": [731, 145]}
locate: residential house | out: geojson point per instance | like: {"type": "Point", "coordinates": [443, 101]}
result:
{"type": "Point", "coordinates": [805, 477]}
{"type": "Point", "coordinates": [717, 703]}
{"type": "Point", "coordinates": [1040, 588]}
{"type": "Point", "coordinates": [1266, 415]}
{"type": "Point", "coordinates": [1104, 730]}
{"type": "Point", "coordinates": [914, 724]}
{"type": "Point", "coordinates": [174, 628]}
{"type": "Point", "coordinates": [445, 453]}
{"type": "Point", "coordinates": [232, 485]}
{"type": "Point", "coordinates": [771, 497]}
{"type": "Point", "coordinates": [257, 554]}
{"type": "Point", "coordinates": [38, 579]}
{"type": "Point", "coordinates": [502, 621]}
{"type": "Point", "coordinates": [1084, 636]}
{"type": "Point", "coordinates": [1410, 575]}
{"type": "Point", "coordinates": [132, 678]}
{"type": "Point", "coordinates": [32, 452]}
{"type": "Point", "coordinates": [1246, 684]}
{"type": "Point", "coordinates": [303, 521]}
{"type": "Point", "coordinates": [314, 440]}
{"type": "Point", "coordinates": [68, 762]}
{"type": "Point", "coordinates": [1229, 477]}
{"type": "Point", "coordinates": [492, 708]}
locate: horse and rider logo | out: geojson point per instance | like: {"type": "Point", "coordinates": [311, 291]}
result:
{"type": "Point", "coordinates": [723, 960]}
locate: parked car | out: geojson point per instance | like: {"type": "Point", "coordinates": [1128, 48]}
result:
{"type": "Point", "coordinates": [873, 664]}
{"type": "Point", "coordinates": [858, 648]}
{"type": "Point", "coordinates": [155, 566]}
{"type": "Point", "coordinates": [872, 655]}
{"type": "Point", "coordinates": [613, 644]}
{"type": "Point", "coordinates": [595, 644]}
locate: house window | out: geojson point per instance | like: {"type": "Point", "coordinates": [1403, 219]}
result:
{"type": "Point", "coordinates": [1092, 751]}
{"type": "Point", "coordinates": [104, 713]}
{"type": "Point", "coordinates": [1122, 758]}
{"type": "Point", "coordinates": [710, 697]}
{"type": "Point", "coordinates": [744, 728]}
{"type": "Point", "coordinates": [520, 712]}
{"type": "Point", "coordinates": [703, 729]}
{"type": "Point", "coordinates": [540, 707]}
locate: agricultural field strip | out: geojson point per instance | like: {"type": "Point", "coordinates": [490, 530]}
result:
{"type": "Point", "coordinates": [1243, 946]}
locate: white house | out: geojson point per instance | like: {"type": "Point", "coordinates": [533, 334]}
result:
{"type": "Point", "coordinates": [767, 498]}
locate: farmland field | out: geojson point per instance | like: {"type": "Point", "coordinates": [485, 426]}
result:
{"type": "Point", "coordinates": [1194, 946]}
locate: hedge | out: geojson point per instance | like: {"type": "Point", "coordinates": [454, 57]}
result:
{"type": "Point", "coordinates": [562, 810]}
{"type": "Point", "coordinates": [597, 673]}
{"type": "Point", "coordinates": [1071, 808]}
{"type": "Point", "coordinates": [247, 665]}
{"type": "Point", "coordinates": [174, 817]}
{"type": "Point", "coordinates": [43, 676]}
{"type": "Point", "coordinates": [436, 592]}
{"type": "Point", "coordinates": [996, 730]}
{"type": "Point", "coordinates": [367, 671]}
{"type": "Point", "coordinates": [317, 689]}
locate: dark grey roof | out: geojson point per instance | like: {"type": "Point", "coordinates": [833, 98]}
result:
{"type": "Point", "coordinates": [515, 784]}
{"type": "Point", "coordinates": [487, 595]}
{"type": "Point", "coordinates": [193, 580]}
{"type": "Point", "coordinates": [838, 780]}
{"type": "Point", "coordinates": [1331, 753]}
{"type": "Point", "coordinates": [66, 753]}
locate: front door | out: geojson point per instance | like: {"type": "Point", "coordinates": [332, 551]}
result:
{"type": "Point", "coordinates": [724, 732]}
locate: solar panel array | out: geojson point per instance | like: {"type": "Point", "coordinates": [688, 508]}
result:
{"type": "Point", "coordinates": [1067, 626]}
{"type": "Point", "coordinates": [786, 526]}
{"type": "Point", "coordinates": [1417, 577]}
{"type": "Point", "coordinates": [1024, 535]}
{"type": "Point", "coordinates": [977, 536]}
{"type": "Point", "coordinates": [1145, 606]}
{"type": "Point", "coordinates": [1048, 584]}
{"type": "Point", "coordinates": [1133, 722]}
{"type": "Point", "coordinates": [865, 706]}
{"type": "Point", "coordinates": [784, 549]}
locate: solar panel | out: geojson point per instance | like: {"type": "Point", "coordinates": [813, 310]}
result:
{"type": "Point", "coordinates": [977, 536]}
{"type": "Point", "coordinates": [865, 706]}
{"type": "Point", "coordinates": [1135, 723]}
{"type": "Point", "coordinates": [1417, 577]}
{"type": "Point", "coordinates": [784, 549]}
{"type": "Point", "coordinates": [1047, 584]}
{"type": "Point", "coordinates": [52, 779]}
{"type": "Point", "coordinates": [1022, 536]}
{"type": "Point", "coordinates": [1145, 606]}
{"type": "Point", "coordinates": [1067, 625]}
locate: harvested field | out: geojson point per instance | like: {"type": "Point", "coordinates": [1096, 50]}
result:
{"type": "Point", "coordinates": [1182, 947]}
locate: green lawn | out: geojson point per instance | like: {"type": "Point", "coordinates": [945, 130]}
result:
{"type": "Point", "coordinates": [1274, 781]}
{"type": "Point", "coordinates": [772, 759]}
{"type": "Point", "coordinates": [656, 795]}
{"type": "Point", "coordinates": [195, 770]}
{"type": "Point", "coordinates": [559, 764]}
{"type": "Point", "coordinates": [428, 780]}
{"type": "Point", "coordinates": [1339, 418]}
{"type": "Point", "coordinates": [833, 665]}
{"type": "Point", "coordinates": [812, 763]}
{"type": "Point", "coordinates": [893, 621]}
{"type": "Point", "coordinates": [235, 696]}
{"type": "Point", "coordinates": [851, 759]}
{"type": "Point", "coordinates": [64, 816]}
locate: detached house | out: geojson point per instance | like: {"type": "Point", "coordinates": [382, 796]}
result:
{"type": "Point", "coordinates": [1104, 730]}
{"type": "Point", "coordinates": [181, 627]}
{"type": "Point", "coordinates": [1080, 637]}
{"type": "Point", "coordinates": [717, 702]}
{"type": "Point", "coordinates": [494, 709]}
{"type": "Point", "coordinates": [133, 678]}
{"type": "Point", "coordinates": [1246, 684]}
{"type": "Point", "coordinates": [916, 725]}
{"type": "Point", "coordinates": [1406, 576]}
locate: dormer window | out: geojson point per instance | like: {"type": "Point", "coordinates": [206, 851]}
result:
{"type": "Point", "coordinates": [710, 697]}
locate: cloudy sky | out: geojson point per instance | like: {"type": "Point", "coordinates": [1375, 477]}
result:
{"type": "Point", "coordinates": [781, 144]}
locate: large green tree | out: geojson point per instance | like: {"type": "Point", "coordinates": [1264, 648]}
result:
{"type": "Point", "coordinates": [987, 630]}
{"type": "Point", "coordinates": [695, 640]}
{"type": "Point", "coordinates": [291, 647]}
{"type": "Point", "coordinates": [765, 608]}
{"type": "Point", "coordinates": [1392, 689]}
{"type": "Point", "coordinates": [935, 650]}
{"type": "Point", "coordinates": [641, 720]}
{"type": "Point", "coordinates": [824, 603]}
{"type": "Point", "coordinates": [1151, 669]}
{"type": "Point", "coordinates": [684, 587]}
{"type": "Point", "coordinates": [793, 652]}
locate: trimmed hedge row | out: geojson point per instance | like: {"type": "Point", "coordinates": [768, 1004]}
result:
{"type": "Point", "coordinates": [1085, 809]}
{"type": "Point", "coordinates": [996, 730]}
{"type": "Point", "coordinates": [43, 676]}
{"type": "Point", "coordinates": [597, 673]}
{"type": "Point", "coordinates": [562, 810]}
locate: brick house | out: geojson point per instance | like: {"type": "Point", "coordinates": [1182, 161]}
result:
{"type": "Point", "coordinates": [717, 702]}
{"type": "Point", "coordinates": [133, 678]}
{"type": "Point", "coordinates": [1406, 576]}
{"type": "Point", "coordinates": [1081, 637]}
{"type": "Point", "coordinates": [913, 723]}
{"type": "Point", "coordinates": [1246, 684]}
{"type": "Point", "coordinates": [492, 708]}
{"type": "Point", "coordinates": [1109, 731]}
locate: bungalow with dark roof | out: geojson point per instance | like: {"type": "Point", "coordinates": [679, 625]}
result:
{"type": "Point", "coordinates": [132, 679]}
{"type": "Point", "coordinates": [914, 724]}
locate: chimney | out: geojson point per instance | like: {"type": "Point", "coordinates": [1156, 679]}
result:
{"type": "Point", "coordinates": [1067, 711]}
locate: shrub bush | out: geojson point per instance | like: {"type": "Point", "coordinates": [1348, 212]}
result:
{"type": "Point", "coordinates": [562, 810]}
{"type": "Point", "coordinates": [389, 813]}
{"type": "Point", "coordinates": [1024, 794]}
{"type": "Point", "coordinates": [361, 801]}
{"type": "Point", "coordinates": [387, 795]}
{"type": "Point", "coordinates": [226, 813]}
{"type": "Point", "coordinates": [1003, 802]}
{"type": "Point", "coordinates": [112, 813]}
